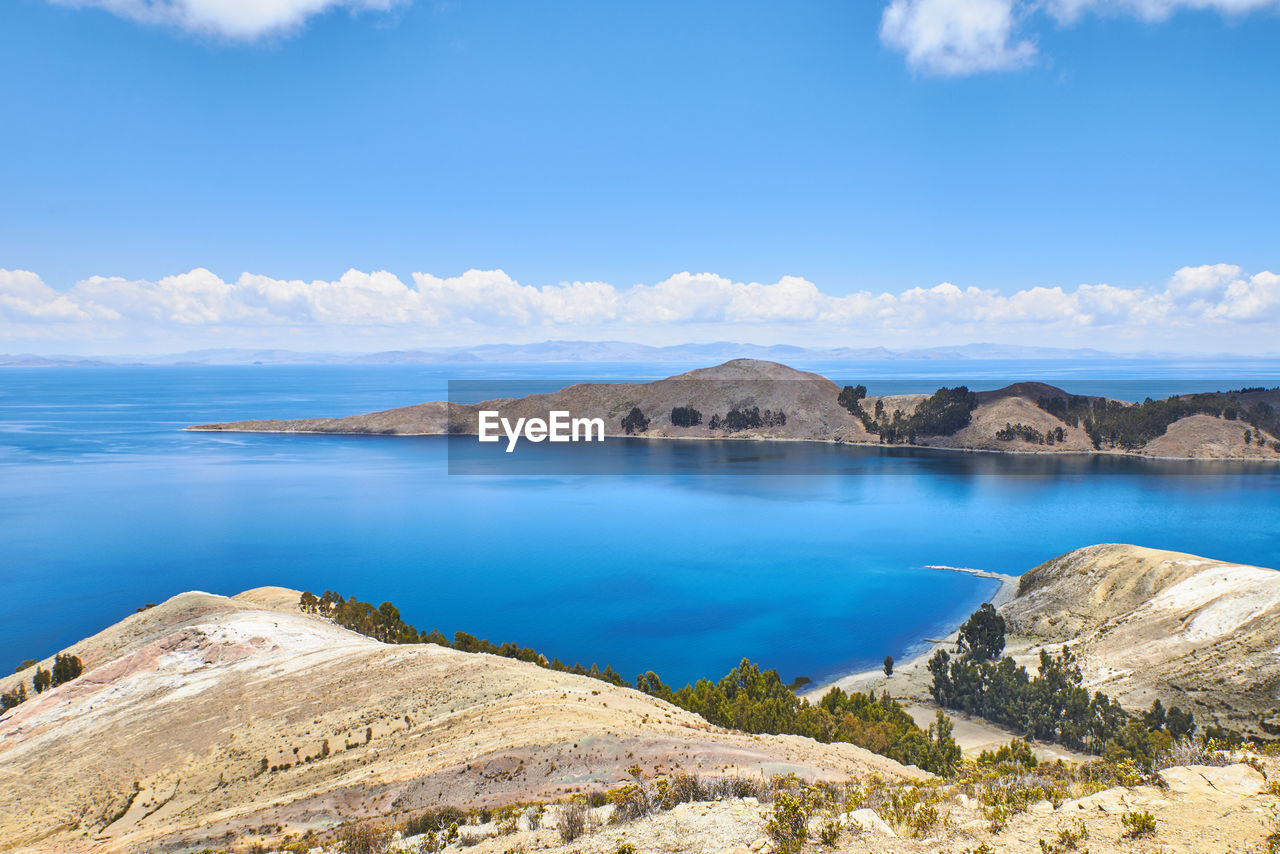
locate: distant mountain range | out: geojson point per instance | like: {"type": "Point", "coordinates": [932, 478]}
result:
{"type": "Point", "coordinates": [583, 351]}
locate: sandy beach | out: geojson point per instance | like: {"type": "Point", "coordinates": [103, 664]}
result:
{"type": "Point", "coordinates": [910, 684]}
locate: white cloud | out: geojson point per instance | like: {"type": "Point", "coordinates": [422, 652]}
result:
{"type": "Point", "coordinates": [1155, 10]}
{"type": "Point", "coordinates": [969, 36]}
{"type": "Point", "coordinates": [1254, 300]}
{"type": "Point", "coordinates": [956, 36]}
{"type": "Point", "coordinates": [1212, 303]}
{"type": "Point", "coordinates": [235, 19]}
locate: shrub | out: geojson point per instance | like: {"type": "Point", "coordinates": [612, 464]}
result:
{"type": "Point", "coordinates": [788, 824]}
{"type": "Point", "coordinates": [435, 820]}
{"type": "Point", "coordinates": [679, 789]}
{"type": "Point", "coordinates": [573, 820]}
{"type": "Point", "coordinates": [630, 802]}
{"type": "Point", "coordinates": [1016, 754]}
{"type": "Point", "coordinates": [1068, 840]}
{"type": "Point", "coordinates": [364, 839]}
{"type": "Point", "coordinates": [830, 833]}
{"type": "Point", "coordinates": [1005, 795]}
{"type": "Point", "coordinates": [1273, 842]}
{"type": "Point", "coordinates": [923, 820]}
{"type": "Point", "coordinates": [1187, 752]}
{"type": "Point", "coordinates": [735, 787]}
{"type": "Point", "coordinates": [1138, 824]}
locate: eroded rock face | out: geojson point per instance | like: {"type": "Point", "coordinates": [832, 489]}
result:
{"type": "Point", "coordinates": [209, 714]}
{"type": "Point", "coordinates": [1148, 624]}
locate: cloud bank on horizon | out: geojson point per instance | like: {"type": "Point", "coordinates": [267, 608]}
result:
{"type": "Point", "coordinates": [944, 37]}
{"type": "Point", "coordinates": [1216, 307]}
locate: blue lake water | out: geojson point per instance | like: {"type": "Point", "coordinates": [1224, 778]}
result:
{"type": "Point", "coordinates": [812, 561]}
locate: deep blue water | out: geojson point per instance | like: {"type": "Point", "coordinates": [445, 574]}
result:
{"type": "Point", "coordinates": [811, 562]}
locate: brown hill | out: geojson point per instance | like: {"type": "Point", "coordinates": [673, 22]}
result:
{"type": "Point", "coordinates": [209, 715]}
{"type": "Point", "coordinates": [812, 412]}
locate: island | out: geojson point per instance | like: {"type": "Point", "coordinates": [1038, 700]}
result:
{"type": "Point", "coordinates": [749, 399]}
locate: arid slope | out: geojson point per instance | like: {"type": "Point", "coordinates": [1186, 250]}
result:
{"type": "Point", "coordinates": [209, 714]}
{"type": "Point", "coordinates": [1150, 624]}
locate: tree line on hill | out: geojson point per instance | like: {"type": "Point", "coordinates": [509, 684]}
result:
{"type": "Point", "coordinates": [1132, 425]}
{"type": "Point", "coordinates": [944, 413]}
{"type": "Point", "coordinates": [747, 698]}
{"type": "Point", "coordinates": [738, 418]}
{"type": "Point", "coordinates": [65, 668]}
{"type": "Point", "coordinates": [756, 701]}
{"type": "Point", "coordinates": [747, 419]}
{"type": "Point", "coordinates": [685, 416]}
{"type": "Point", "coordinates": [1030, 434]}
{"type": "Point", "coordinates": [1050, 706]}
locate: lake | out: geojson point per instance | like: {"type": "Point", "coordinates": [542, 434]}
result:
{"type": "Point", "coordinates": [811, 560]}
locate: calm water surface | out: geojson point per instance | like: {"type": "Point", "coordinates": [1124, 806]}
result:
{"type": "Point", "coordinates": [812, 561]}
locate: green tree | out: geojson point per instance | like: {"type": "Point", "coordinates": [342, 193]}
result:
{"type": "Point", "coordinates": [685, 416]}
{"type": "Point", "coordinates": [41, 680]}
{"type": "Point", "coordinates": [851, 395]}
{"type": "Point", "coordinates": [1154, 719]}
{"type": "Point", "coordinates": [944, 753]}
{"type": "Point", "coordinates": [888, 665]}
{"type": "Point", "coordinates": [65, 668]}
{"type": "Point", "coordinates": [983, 633]}
{"type": "Point", "coordinates": [1179, 724]}
{"type": "Point", "coordinates": [634, 421]}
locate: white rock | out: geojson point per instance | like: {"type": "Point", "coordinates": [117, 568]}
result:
{"type": "Point", "coordinates": [1236, 779]}
{"type": "Point", "coordinates": [868, 820]}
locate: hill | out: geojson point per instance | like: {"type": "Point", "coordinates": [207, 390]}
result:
{"type": "Point", "coordinates": [243, 724]}
{"type": "Point", "coordinates": [752, 399]}
{"type": "Point", "coordinates": [207, 716]}
{"type": "Point", "coordinates": [1148, 624]}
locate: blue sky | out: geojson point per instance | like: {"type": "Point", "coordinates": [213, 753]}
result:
{"type": "Point", "coordinates": [834, 143]}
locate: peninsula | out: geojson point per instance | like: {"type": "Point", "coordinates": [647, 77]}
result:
{"type": "Point", "coordinates": [266, 722]}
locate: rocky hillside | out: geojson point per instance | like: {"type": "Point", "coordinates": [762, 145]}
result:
{"type": "Point", "coordinates": [808, 400]}
{"type": "Point", "coordinates": [1148, 624]}
{"type": "Point", "coordinates": [207, 716]}
{"type": "Point", "coordinates": [242, 724]}
{"type": "Point", "coordinates": [1012, 419]}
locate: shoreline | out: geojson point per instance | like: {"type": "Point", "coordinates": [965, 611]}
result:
{"type": "Point", "coordinates": [855, 680]}
{"type": "Point", "coordinates": [1110, 452]}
